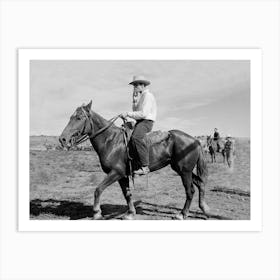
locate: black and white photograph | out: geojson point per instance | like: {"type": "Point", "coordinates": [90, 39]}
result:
{"type": "Point", "coordinates": [139, 140]}
{"type": "Point", "coordinates": [142, 139]}
{"type": "Point", "coordinates": [192, 116]}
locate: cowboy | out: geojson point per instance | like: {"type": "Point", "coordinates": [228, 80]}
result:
{"type": "Point", "coordinates": [229, 144]}
{"type": "Point", "coordinates": [216, 138]}
{"type": "Point", "coordinates": [229, 150]}
{"type": "Point", "coordinates": [144, 112]}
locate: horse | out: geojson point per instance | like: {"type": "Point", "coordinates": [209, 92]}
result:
{"type": "Point", "coordinates": [179, 150]}
{"type": "Point", "coordinates": [213, 148]}
{"type": "Point", "coordinates": [203, 142]}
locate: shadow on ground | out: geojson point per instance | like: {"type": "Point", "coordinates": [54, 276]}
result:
{"type": "Point", "coordinates": [77, 210]}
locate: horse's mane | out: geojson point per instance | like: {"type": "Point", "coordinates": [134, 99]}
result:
{"type": "Point", "coordinates": [103, 120]}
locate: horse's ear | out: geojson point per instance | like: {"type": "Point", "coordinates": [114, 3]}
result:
{"type": "Point", "coordinates": [88, 107]}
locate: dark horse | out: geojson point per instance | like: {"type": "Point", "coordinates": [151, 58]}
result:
{"type": "Point", "coordinates": [180, 150]}
{"type": "Point", "coordinates": [213, 148]}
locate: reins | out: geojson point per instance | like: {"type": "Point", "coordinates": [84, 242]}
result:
{"type": "Point", "coordinates": [86, 137]}
{"type": "Point", "coordinates": [111, 121]}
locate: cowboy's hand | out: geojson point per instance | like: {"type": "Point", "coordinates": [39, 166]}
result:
{"type": "Point", "coordinates": [123, 115]}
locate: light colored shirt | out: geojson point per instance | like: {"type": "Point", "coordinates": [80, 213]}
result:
{"type": "Point", "coordinates": [144, 106]}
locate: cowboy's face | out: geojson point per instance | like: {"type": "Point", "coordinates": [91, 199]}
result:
{"type": "Point", "coordinates": [139, 86]}
{"type": "Point", "coordinates": [137, 90]}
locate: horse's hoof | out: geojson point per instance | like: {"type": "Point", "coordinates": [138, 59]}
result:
{"type": "Point", "coordinates": [97, 216]}
{"type": "Point", "coordinates": [180, 217]}
{"type": "Point", "coordinates": [128, 216]}
{"type": "Point", "coordinates": [205, 209]}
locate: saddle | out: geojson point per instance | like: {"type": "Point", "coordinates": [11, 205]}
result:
{"type": "Point", "coordinates": [152, 138]}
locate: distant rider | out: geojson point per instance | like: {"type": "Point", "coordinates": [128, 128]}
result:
{"type": "Point", "coordinates": [229, 150]}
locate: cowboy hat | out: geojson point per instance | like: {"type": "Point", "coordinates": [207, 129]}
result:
{"type": "Point", "coordinates": [140, 79]}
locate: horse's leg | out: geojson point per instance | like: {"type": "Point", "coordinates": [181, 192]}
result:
{"type": "Point", "coordinates": [108, 180]}
{"type": "Point", "coordinates": [124, 183]}
{"type": "Point", "coordinates": [189, 189]}
{"type": "Point", "coordinates": [200, 182]}
{"type": "Point", "coordinates": [230, 159]}
{"type": "Point", "coordinates": [202, 203]}
{"type": "Point", "coordinates": [226, 159]}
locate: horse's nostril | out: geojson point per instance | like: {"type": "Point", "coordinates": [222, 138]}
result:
{"type": "Point", "coordinates": [62, 141]}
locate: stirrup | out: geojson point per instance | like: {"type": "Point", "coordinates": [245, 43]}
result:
{"type": "Point", "coordinates": [142, 171]}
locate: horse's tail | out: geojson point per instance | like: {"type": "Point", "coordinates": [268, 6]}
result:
{"type": "Point", "coordinates": [201, 166]}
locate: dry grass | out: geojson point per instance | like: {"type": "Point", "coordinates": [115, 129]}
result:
{"type": "Point", "coordinates": [62, 185]}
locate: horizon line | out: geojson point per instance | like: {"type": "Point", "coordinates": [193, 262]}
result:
{"type": "Point", "coordinates": [39, 135]}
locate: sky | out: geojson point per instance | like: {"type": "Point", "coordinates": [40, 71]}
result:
{"type": "Point", "coordinates": [194, 96]}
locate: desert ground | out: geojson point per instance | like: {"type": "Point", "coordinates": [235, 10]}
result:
{"type": "Point", "coordinates": [62, 185]}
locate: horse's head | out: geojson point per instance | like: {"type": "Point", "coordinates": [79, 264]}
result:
{"type": "Point", "coordinates": [209, 140]}
{"type": "Point", "coordinates": [79, 125]}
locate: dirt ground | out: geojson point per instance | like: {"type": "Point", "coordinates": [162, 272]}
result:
{"type": "Point", "coordinates": [62, 185]}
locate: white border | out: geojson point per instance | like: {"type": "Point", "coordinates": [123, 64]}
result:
{"type": "Point", "coordinates": [254, 55]}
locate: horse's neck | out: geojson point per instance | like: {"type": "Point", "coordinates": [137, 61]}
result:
{"type": "Point", "coordinates": [98, 123]}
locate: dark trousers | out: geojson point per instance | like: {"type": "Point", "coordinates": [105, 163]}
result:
{"type": "Point", "coordinates": [139, 140]}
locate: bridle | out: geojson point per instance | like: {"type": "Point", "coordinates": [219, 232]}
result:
{"type": "Point", "coordinates": [85, 137]}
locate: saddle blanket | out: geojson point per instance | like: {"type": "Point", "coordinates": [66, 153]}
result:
{"type": "Point", "coordinates": [155, 137]}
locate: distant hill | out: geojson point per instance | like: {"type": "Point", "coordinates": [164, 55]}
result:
{"type": "Point", "coordinates": [42, 139]}
{"type": "Point", "coordinates": [43, 142]}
